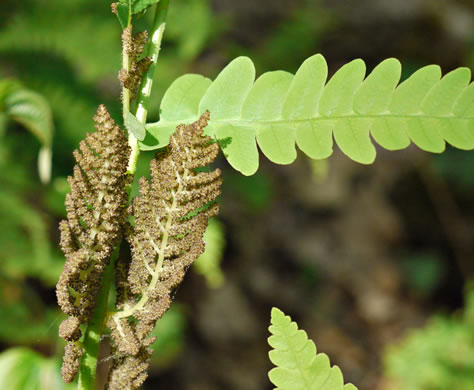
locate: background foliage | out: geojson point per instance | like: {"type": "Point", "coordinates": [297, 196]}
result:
{"type": "Point", "coordinates": [357, 255]}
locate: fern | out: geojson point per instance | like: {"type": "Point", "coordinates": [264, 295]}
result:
{"type": "Point", "coordinates": [32, 111]}
{"type": "Point", "coordinates": [298, 365]}
{"type": "Point", "coordinates": [280, 109]}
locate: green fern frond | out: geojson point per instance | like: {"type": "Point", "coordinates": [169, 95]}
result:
{"type": "Point", "coordinates": [47, 27]}
{"type": "Point", "coordinates": [298, 367]}
{"type": "Point", "coordinates": [280, 110]}
{"type": "Point", "coordinates": [33, 112]}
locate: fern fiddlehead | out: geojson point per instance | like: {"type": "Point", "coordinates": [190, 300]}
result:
{"type": "Point", "coordinates": [171, 215]}
{"type": "Point", "coordinates": [95, 216]}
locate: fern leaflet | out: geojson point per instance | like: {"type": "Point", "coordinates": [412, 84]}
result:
{"type": "Point", "coordinates": [298, 365]}
{"type": "Point", "coordinates": [280, 110]}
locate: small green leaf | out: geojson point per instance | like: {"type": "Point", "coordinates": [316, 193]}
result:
{"type": "Point", "coordinates": [440, 99]}
{"type": "Point", "coordinates": [298, 367]}
{"type": "Point", "coordinates": [141, 5]}
{"type": "Point", "coordinates": [306, 88]}
{"type": "Point", "coordinates": [315, 138]}
{"type": "Point", "coordinates": [226, 94]}
{"type": "Point", "coordinates": [376, 91]}
{"type": "Point", "coordinates": [264, 102]}
{"type": "Point", "coordinates": [425, 135]}
{"type": "Point", "coordinates": [181, 100]}
{"type": "Point", "coordinates": [239, 146]}
{"type": "Point", "coordinates": [352, 136]}
{"type": "Point", "coordinates": [124, 14]}
{"type": "Point", "coordinates": [134, 126]}
{"type": "Point", "coordinates": [464, 105]}
{"type": "Point", "coordinates": [391, 134]}
{"type": "Point", "coordinates": [265, 99]}
{"type": "Point", "coordinates": [338, 94]}
{"type": "Point", "coordinates": [408, 96]}
{"type": "Point", "coordinates": [135, 6]}
{"type": "Point", "coordinates": [277, 142]}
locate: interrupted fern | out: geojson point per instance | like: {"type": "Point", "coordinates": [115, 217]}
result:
{"type": "Point", "coordinates": [171, 215]}
{"type": "Point", "coordinates": [298, 365]}
{"type": "Point", "coordinates": [95, 217]}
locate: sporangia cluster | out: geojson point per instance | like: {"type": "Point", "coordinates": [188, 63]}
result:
{"type": "Point", "coordinates": [133, 47]}
{"type": "Point", "coordinates": [95, 215]}
{"type": "Point", "coordinates": [170, 217]}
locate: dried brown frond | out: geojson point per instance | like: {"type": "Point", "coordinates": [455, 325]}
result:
{"type": "Point", "coordinates": [171, 215]}
{"type": "Point", "coordinates": [95, 220]}
{"type": "Point", "coordinates": [71, 361]}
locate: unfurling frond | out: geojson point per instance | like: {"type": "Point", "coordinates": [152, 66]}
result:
{"type": "Point", "coordinates": [298, 365]}
{"type": "Point", "coordinates": [95, 215]}
{"type": "Point", "coordinates": [171, 215]}
{"type": "Point", "coordinates": [133, 47]}
{"type": "Point", "coordinates": [280, 110]}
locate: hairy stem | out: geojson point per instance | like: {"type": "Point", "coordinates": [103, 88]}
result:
{"type": "Point", "coordinates": [152, 51]}
{"type": "Point", "coordinates": [87, 370]}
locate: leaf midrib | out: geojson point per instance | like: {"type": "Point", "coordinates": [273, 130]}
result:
{"type": "Point", "coordinates": [253, 122]}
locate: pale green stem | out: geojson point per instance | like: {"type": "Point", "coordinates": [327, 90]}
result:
{"type": "Point", "coordinates": [153, 50]}
{"type": "Point", "coordinates": [88, 367]}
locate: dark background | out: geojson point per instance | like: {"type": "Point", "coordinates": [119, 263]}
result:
{"type": "Point", "coordinates": [357, 255]}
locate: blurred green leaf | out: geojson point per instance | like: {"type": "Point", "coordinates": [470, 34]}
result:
{"type": "Point", "coordinates": [437, 357]}
{"type": "Point", "coordinates": [170, 337]}
{"type": "Point", "coordinates": [22, 308]}
{"type": "Point", "coordinates": [24, 369]}
{"type": "Point", "coordinates": [32, 111]}
{"type": "Point", "coordinates": [141, 5]}
{"type": "Point", "coordinates": [197, 13]}
{"type": "Point", "coordinates": [138, 5]}
{"type": "Point", "coordinates": [26, 248]}
{"type": "Point", "coordinates": [209, 263]}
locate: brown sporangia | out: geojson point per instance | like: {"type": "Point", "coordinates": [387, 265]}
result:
{"type": "Point", "coordinates": [95, 219]}
{"type": "Point", "coordinates": [71, 361]}
{"type": "Point", "coordinates": [171, 215]}
{"type": "Point", "coordinates": [133, 47]}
